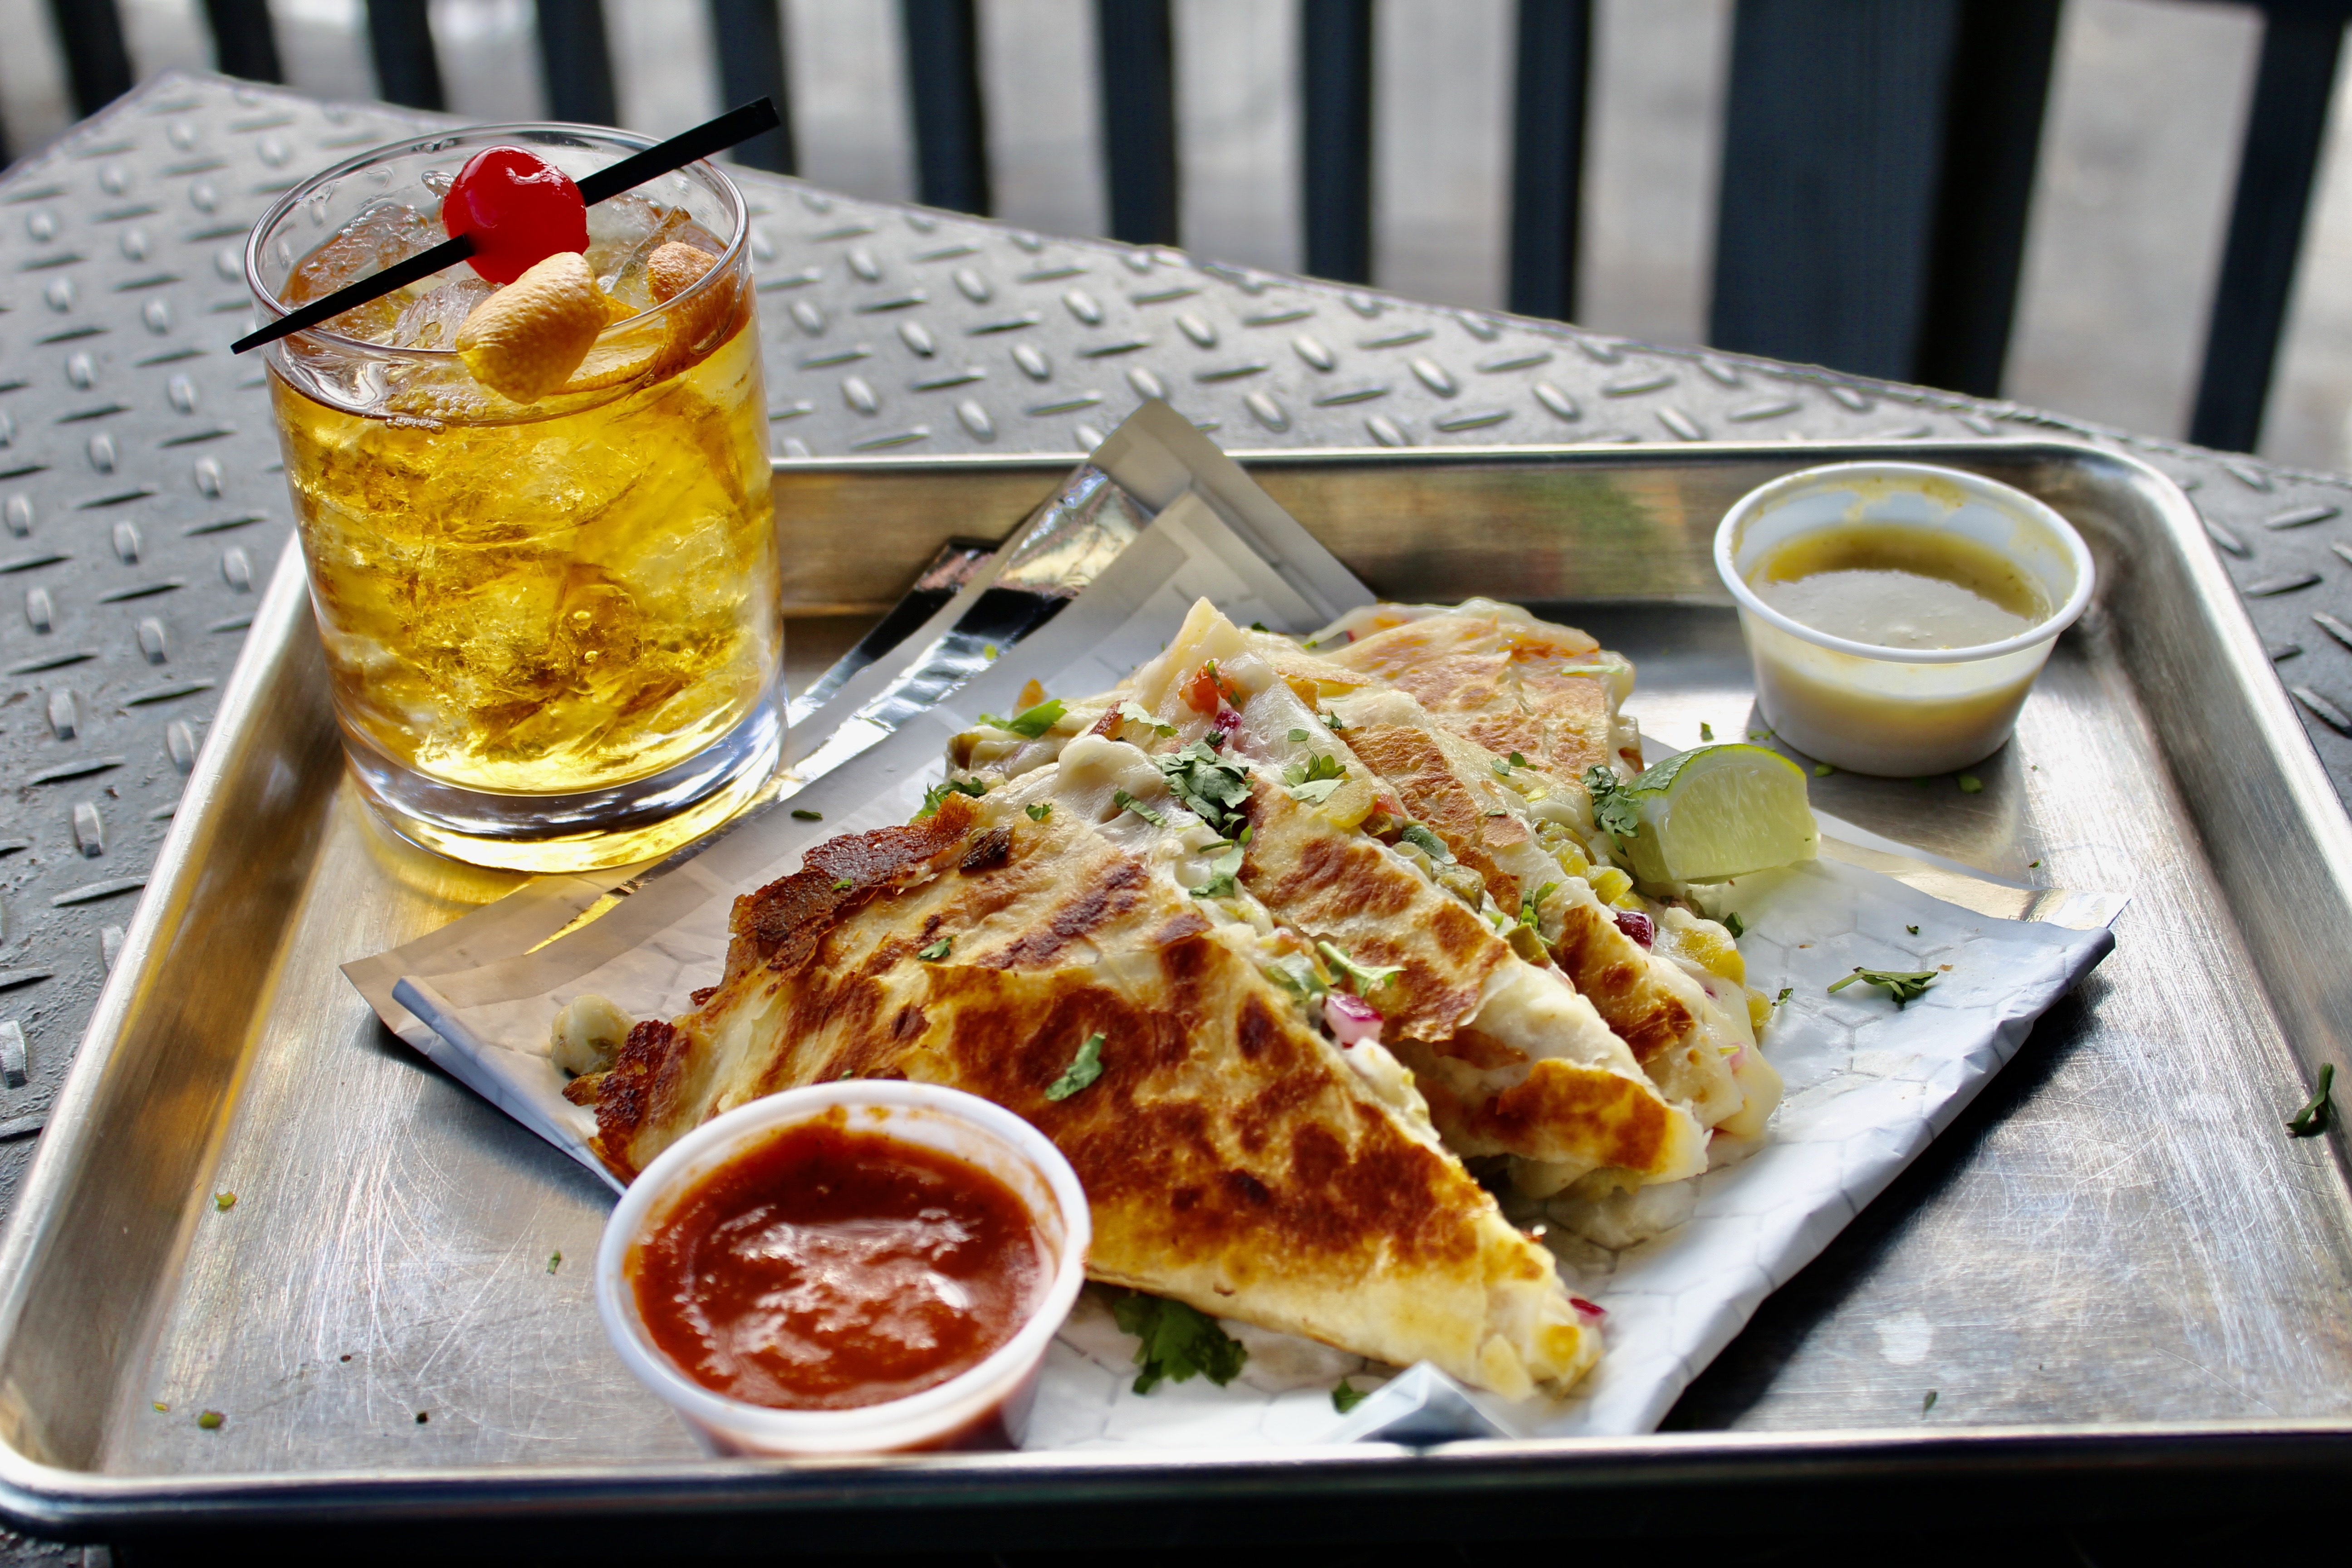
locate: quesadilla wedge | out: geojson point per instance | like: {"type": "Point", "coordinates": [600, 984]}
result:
{"type": "Point", "coordinates": [1505, 836]}
{"type": "Point", "coordinates": [1511, 1059]}
{"type": "Point", "coordinates": [1500, 678]}
{"type": "Point", "coordinates": [1234, 1156]}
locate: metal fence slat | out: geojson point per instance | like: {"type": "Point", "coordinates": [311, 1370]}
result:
{"type": "Point", "coordinates": [243, 42]}
{"type": "Point", "coordinates": [1136, 42]}
{"type": "Point", "coordinates": [577, 62]}
{"type": "Point", "coordinates": [407, 67]}
{"type": "Point", "coordinates": [749, 36]}
{"type": "Point", "coordinates": [951, 122]}
{"type": "Point", "coordinates": [98, 61]}
{"type": "Point", "coordinates": [1335, 70]}
{"type": "Point", "coordinates": [1992, 140]}
{"type": "Point", "coordinates": [1831, 146]}
{"type": "Point", "coordinates": [1548, 154]}
{"type": "Point", "coordinates": [2284, 130]}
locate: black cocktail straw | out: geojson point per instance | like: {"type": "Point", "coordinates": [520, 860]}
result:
{"type": "Point", "coordinates": [712, 136]}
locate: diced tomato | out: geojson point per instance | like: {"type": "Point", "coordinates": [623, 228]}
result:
{"type": "Point", "coordinates": [1208, 690]}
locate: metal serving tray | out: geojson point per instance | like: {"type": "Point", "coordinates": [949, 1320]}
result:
{"type": "Point", "coordinates": [2115, 1271]}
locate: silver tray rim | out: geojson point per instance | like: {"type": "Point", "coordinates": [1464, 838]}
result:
{"type": "Point", "coordinates": [77, 1503]}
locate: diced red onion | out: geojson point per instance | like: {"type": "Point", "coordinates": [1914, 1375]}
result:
{"type": "Point", "coordinates": [1636, 925]}
{"type": "Point", "coordinates": [1227, 721]}
{"type": "Point", "coordinates": [1351, 1018]}
{"type": "Point", "coordinates": [1590, 1309]}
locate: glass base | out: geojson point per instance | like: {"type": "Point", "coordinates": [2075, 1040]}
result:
{"type": "Point", "coordinates": [637, 821]}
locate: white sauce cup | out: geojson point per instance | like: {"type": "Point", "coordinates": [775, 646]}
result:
{"type": "Point", "coordinates": [1898, 712]}
{"type": "Point", "coordinates": [986, 1406]}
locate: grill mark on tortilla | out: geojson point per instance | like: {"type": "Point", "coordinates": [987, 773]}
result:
{"type": "Point", "coordinates": [1615, 975]}
{"type": "Point", "coordinates": [1615, 1120]}
{"type": "Point", "coordinates": [1347, 889]}
{"type": "Point", "coordinates": [625, 1095]}
{"type": "Point", "coordinates": [1411, 764]}
{"type": "Point", "coordinates": [1088, 911]}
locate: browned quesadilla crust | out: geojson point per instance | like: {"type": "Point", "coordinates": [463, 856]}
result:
{"type": "Point", "coordinates": [1230, 1158]}
{"type": "Point", "coordinates": [1503, 685]}
{"type": "Point", "coordinates": [1345, 887]}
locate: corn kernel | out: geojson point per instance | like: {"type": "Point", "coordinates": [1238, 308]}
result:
{"type": "Point", "coordinates": [1759, 1011]}
{"type": "Point", "coordinates": [1711, 946]}
{"type": "Point", "coordinates": [1572, 859]}
{"type": "Point", "coordinates": [1349, 804]}
{"type": "Point", "coordinates": [1609, 885]}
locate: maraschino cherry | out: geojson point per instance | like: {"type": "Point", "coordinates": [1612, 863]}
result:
{"type": "Point", "coordinates": [518, 208]}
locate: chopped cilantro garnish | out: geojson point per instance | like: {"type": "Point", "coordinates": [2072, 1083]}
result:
{"type": "Point", "coordinates": [1224, 867]}
{"type": "Point", "coordinates": [1257, 626]}
{"type": "Point", "coordinates": [1331, 721]}
{"type": "Point", "coordinates": [1030, 723]}
{"type": "Point", "coordinates": [1084, 1068]}
{"type": "Point", "coordinates": [1135, 712]}
{"type": "Point", "coordinates": [803, 814]}
{"type": "Point", "coordinates": [1362, 976]}
{"type": "Point", "coordinates": [1971, 784]}
{"type": "Point", "coordinates": [1297, 737]}
{"type": "Point", "coordinates": [554, 1261]}
{"type": "Point", "coordinates": [1913, 930]}
{"type": "Point", "coordinates": [1822, 770]}
{"type": "Point", "coordinates": [844, 885]}
{"type": "Point", "coordinates": [1126, 801]}
{"type": "Point", "coordinates": [1903, 986]}
{"type": "Point", "coordinates": [940, 791]}
{"type": "Point", "coordinates": [1782, 999]}
{"type": "Point", "coordinates": [1180, 1342]}
{"type": "Point", "coordinates": [2313, 1119]}
{"type": "Point", "coordinates": [936, 951]}
{"type": "Point", "coordinates": [1519, 760]}
{"type": "Point", "coordinates": [1345, 1395]}
{"type": "Point", "coordinates": [1735, 925]}
{"type": "Point", "coordinates": [1612, 803]}
{"type": "Point", "coordinates": [1501, 766]}
{"type": "Point", "coordinates": [1210, 787]}
{"type": "Point", "coordinates": [1531, 904]}
{"type": "Point", "coordinates": [1314, 780]}
{"type": "Point", "coordinates": [1706, 731]}
{"type": "Point", "coordinates": [223, 1201]}
{"type": "Point", "coordinates": [1414, 833]}
{"type": "Point", "coordinates": [1927, 1403]}
{"type": "Point", "coordinates": [1040, 811]}
{"type": "Point", "coordinates": [1301, 979]}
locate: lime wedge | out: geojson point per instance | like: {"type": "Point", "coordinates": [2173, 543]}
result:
{"type": "Point", "coordinates": [1721, 811]}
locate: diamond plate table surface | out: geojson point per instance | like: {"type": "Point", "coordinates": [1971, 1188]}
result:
{"type": "Point", "coordinates": [143, 497]}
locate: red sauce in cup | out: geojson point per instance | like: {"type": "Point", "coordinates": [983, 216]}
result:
{"type": "Point", "coordinates": [827, 1269]}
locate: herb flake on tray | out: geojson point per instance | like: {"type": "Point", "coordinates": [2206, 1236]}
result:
{"type": "Point", "coordinates": [1180, 1342]}
{"type": "Point", "coordinates": [1905, 985]}
{"type": "Point", "coordinates": [2313, 1117]}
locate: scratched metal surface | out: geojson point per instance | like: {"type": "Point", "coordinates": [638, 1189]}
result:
{"type": "Point", "coordinates": [2120, 1236]}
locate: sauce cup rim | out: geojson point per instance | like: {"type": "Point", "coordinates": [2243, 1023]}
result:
{"type": "Point", "coordinates": [894, 1424]}
{"type": "Point", "coordinates": [1828, 476]}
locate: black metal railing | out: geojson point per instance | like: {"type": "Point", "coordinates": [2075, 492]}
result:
{"type": "Point", "coordinates": [1878, 160]}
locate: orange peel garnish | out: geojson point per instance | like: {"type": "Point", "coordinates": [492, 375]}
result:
{"type": "Point", "coordinates": [672, 269]}
{"type": "Point", "coordinates": [526, 341]}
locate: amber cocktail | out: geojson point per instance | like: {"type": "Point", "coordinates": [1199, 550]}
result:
{"type": "Point", "coordinates": [553, 626]}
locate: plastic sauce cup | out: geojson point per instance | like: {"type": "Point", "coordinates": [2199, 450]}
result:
{"type": "Point", "coordinates": [1898, 712]}
{"type": "Point", "coordinates": [986, 1405]}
